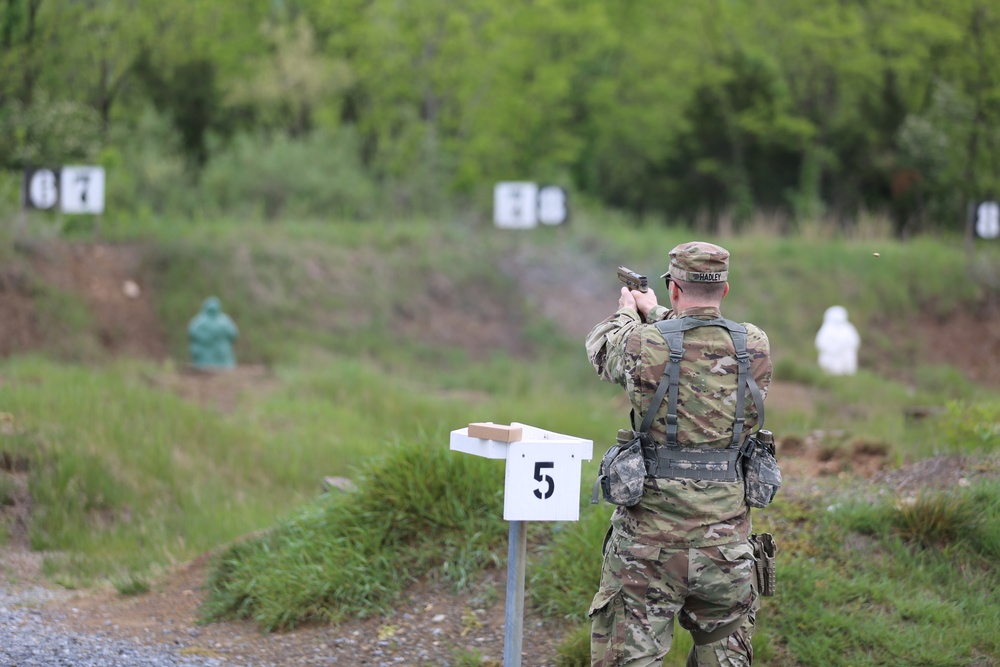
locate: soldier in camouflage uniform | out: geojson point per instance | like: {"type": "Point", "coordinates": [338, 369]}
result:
{"type": "Point", "coordinates": [683, 550]}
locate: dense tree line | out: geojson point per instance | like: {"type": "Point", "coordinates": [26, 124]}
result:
{"type": "Point", "coordinates": [812, 108]}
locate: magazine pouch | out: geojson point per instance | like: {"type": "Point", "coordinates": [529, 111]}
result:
{"type": "Point", "coordinates": [622, 473]}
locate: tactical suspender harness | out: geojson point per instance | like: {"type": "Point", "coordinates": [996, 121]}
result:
{"type": "Point", "coordinates": [670, 460]}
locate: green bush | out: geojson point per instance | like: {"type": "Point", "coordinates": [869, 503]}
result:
{"type": "Point", "coordinates": [319, 177]}
{"type": "Point", "coordinates": [131, 584]}
{"type": "Point", "coordinates": [147, 174]}
{"type": "Point", "coordinates": [970, 428]}
{"type": "Point", "coordinates": [935, 519]}
{"type": "Point", "coordinates": [8, 488]}
{"type": "Point", "coordinates": [47, 132]}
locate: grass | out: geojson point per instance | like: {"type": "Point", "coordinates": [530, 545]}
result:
{"type": "Point", "coordinates": [876, 583]}
{"type": "Point", "coordinates": [127, 478]}
{"type": "Point", "coordinates": [8, 487]}
{"type": "Point", "coordinates": [130, 473]}
{"type": "Point", "coordinates": [131, 584]}
{"type": "Point", "coordinates": [351, 555]}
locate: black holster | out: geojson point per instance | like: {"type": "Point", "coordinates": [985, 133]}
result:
{"type": "Point", "coordinates": [764, 550]}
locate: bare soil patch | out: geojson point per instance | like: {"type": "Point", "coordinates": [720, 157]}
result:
{"type": "Point", "coordinates": [219, 389]}
{"type": "Point", "coordinates": [430, 626]}
{"type": "Point", "coordinates": [969, 341]}
{"type": "Point", "coordinates": [109, 278]}
{"type": "Point", "coordinates": [19, 330]}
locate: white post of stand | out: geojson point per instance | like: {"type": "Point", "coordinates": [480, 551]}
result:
{"type": "Point", "coordinates": [542, 483]}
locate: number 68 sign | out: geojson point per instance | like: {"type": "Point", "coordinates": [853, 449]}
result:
{"type": "Point", "coordinates": [542, 481]}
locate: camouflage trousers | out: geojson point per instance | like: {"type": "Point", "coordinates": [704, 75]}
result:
{"type": "Point", "coordinates": [644, 588]}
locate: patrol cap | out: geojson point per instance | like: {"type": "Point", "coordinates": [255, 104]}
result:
{"type": "Point", "coordinates": [699, 262]}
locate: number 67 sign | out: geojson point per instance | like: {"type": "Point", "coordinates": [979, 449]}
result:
{"type": "Point", "coordinates": [542, 481]}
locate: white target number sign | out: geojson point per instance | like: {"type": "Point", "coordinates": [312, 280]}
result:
{"type": "Point", "coordinates": [82, 190]}
{"type": "Point", "coordinates": [42, 189]}
{"type": "Point", "coordinates": [542, 483]}
{"type": "Point", "coordinates": [523, 205]}
{"type": "Point", "coordinates": [76, 189]}
{"type": "Point", "coordinates": [542, 477]}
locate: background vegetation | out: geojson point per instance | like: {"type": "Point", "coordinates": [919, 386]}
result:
{"type": "Point", "coordinates": [127, 479]}
{"type": "Point", "coordinates": [809, 109]}
{"type": "Point", "coordinates": [326, 167]}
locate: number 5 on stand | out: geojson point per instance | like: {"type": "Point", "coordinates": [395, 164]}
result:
{"type": "Point", "coordinates": [542, 482]}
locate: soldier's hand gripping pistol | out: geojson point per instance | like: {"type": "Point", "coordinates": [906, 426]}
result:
{"type": "Point", "coordinates": [632, 280]}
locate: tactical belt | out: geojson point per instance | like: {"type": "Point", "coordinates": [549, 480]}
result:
{"type": "Point", "coordinates": [670, 459]}
{"type": "Point", "coordinates": [721, 632]}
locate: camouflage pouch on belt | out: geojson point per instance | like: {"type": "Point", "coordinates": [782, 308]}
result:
{"type": "Point", "coordinates": [761, 475]}
{"type": "Point", "coordinates": [622, 473]}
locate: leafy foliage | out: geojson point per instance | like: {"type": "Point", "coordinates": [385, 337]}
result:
{"type": "Point", "coordinates": [48, 133]}
{"type": "Point", "coordinates": [263, 177]}
{"type": "Point", "coordinates": [710, 111]}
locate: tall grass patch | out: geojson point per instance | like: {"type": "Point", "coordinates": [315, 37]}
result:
{"type": "Point", "coordinates": [568, 569]}
{"type": "Point", "coordinates": [119, 470]}
{"type": "Point", "coordinates": [890, 582]}
{"type": "Point", "coordinates": [332, 416]}
{"type": "Point", "coordinates": [417, 509]}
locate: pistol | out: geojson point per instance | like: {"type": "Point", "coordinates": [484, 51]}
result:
{"type": "Point", "coordinates": [632, 280]}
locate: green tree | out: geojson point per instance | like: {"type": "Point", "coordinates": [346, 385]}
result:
{"type": "Point", "coordinates": [23, 34]}
{"type": "Point", "coordinates": [855, 70]}
{"type": "Point", "coordinates": [638, 85]}
{"type": "Point", "coordinates": [47, 132]}
{"type": "Point", "coordinates": [292, 79]}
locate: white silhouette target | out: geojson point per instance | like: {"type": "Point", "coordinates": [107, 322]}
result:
{"type": "Point", "coordinates": [988, 220]}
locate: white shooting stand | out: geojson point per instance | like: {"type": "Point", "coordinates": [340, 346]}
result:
{"type": "Point", "coordinates": [542, 483]}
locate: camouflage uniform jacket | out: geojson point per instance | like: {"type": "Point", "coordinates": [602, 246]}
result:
{"type": "Point", "coordinates": [684, 513]}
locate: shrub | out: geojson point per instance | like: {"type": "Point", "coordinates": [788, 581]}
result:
{"type": "Point", "coordinates": [574, 651]}
{"type": "Point", "coordinates": [131, 584]}
{"type": "Point", "coordinates": [147, 172]}
{"type": "Point", "coordinates": [319, 176]}
{"type": "Point", "coordinates": [935, 519]}
{"type": "Point", "coordinates": [967, 428]}
{"type": "Point", "coordinates": [48, 132]}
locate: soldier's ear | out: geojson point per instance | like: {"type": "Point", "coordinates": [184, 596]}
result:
{"type": "Point", "coordinates": [725, 291]}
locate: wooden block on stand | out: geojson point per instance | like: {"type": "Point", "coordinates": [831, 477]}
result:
{"type": "Point", "coordinates": [498, 432]}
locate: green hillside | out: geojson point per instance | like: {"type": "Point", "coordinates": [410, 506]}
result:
{"type": "Point", "coordinates": [363, 345]}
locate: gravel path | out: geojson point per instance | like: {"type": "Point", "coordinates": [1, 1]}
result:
{"type": "Point", "coordinates": [42, 626]}
{"type": "Point", "coordinates": [31, 636]}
